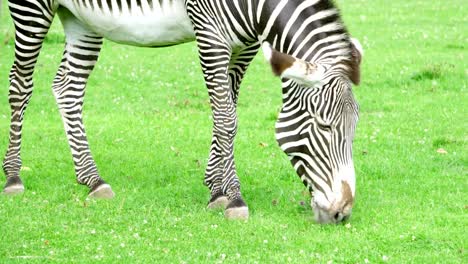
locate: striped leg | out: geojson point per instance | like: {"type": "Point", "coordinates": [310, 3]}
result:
{"type": "Point", "coordinates": [82, 49]}
{"type": "Point", "coordinates": [221, 174]}
{"type": "Point", "coordinates": [28, 42]}
{"type": "Point", "coordinates": [237, 67]}
{"type": "Point", "coordinates": [218, 90]}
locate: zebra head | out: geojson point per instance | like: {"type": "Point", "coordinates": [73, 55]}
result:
{"type": "Point", "coordinates": [316, 126]}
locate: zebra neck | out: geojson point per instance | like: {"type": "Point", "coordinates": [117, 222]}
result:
{"type": "Point", "coordinates": [312, 30]}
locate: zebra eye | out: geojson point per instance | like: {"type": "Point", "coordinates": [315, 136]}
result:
{"type": "Point", "coordinates": [320, 123]}
{"type": "Point", "coordinates": [323, 125]}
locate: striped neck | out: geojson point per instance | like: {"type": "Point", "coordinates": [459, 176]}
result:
{"type": "Point", "coordinates": [310, 30]}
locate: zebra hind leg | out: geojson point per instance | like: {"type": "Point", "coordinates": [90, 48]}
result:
{"type": "Point", "coordinates": [32, 20]}
{"type": "Point", "coordinates": [82, 49]}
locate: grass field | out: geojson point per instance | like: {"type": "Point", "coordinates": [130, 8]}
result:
{"type": "Point", "coordinates": [149, 125]}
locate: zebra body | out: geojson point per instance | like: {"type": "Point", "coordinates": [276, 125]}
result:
{"type": "Point", "coordinates": [149, 24]}
{"type": "Point", "coordinates": [316, 124]}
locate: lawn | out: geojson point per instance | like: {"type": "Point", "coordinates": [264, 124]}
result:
{"type": "Point", "coordinates": [149, 124]}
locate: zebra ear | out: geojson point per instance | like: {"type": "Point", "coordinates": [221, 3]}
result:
{"type": "Point", "coordinates": [279, 61]}
{"type": "Point", "coordinates": [356, 53]}
{"type": "Point", "coordinates": [289, 67]}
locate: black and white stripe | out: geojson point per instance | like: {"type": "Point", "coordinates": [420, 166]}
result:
{"type": "Point", "coordinates": [315, 126]}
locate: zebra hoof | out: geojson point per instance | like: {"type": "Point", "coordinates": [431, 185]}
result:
{"type": "Point", "coordinates": [13, 189]}
{"type": "Point", "coordinates": [218, 201]}
{"type": "Point", "coordinates": [103, 191]}
{"type": "Point", "coordinates": [13, 186]}
{"type": "Point", "coordinates": [237, 210]}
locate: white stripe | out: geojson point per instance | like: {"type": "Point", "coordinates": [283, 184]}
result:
{"type": "Point", "coordinates": [273, 17]}
{"type": "Point", "coordinates": [238, 27]}
{"type": "Point", "coordinates": [293, 18]}
{"type": "Point", "coordinates": [297, 131]}
{"type": "Point", "coordinates": [261, 3]}
{"type": "Point", "coordinates": [292, 121]}
{"type": "Point", "coordinates": [326, 28]}
{"type": "Point", "coordinates": [319, 15]}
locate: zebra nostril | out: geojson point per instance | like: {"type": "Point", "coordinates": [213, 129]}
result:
{"type": "Point", "coordinates": [337, 216]}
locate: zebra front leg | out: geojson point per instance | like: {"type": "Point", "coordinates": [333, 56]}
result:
{"type": "Point", "coordinates": [221, 176]}
{"type": "Point", "coordinates": [214, 175]}
{"type": "Point", "coordinates": [28, 42]}
{"type": "Point", "coordinates": [82, 49]}
{"type": "Point", "coordinates": [238, 65]}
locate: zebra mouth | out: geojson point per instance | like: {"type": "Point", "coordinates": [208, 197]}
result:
{"type": "Point", "coordinates": [324, 215]}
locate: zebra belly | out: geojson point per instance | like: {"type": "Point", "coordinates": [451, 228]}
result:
{"type": "Point", "coordinates": [149, 26]}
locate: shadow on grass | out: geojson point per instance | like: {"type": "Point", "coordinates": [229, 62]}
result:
{"type": "Point", "coordinates": [432, 72]}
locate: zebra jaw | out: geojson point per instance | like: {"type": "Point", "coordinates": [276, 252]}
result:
{"type": "Point", "coordinates": [302, 72]}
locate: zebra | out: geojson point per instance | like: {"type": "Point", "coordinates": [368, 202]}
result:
{"type": "Point", "coordinates": [305, 42]}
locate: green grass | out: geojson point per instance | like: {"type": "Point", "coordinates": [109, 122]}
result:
{"type": "Point", "coordinates": [148, 121]}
